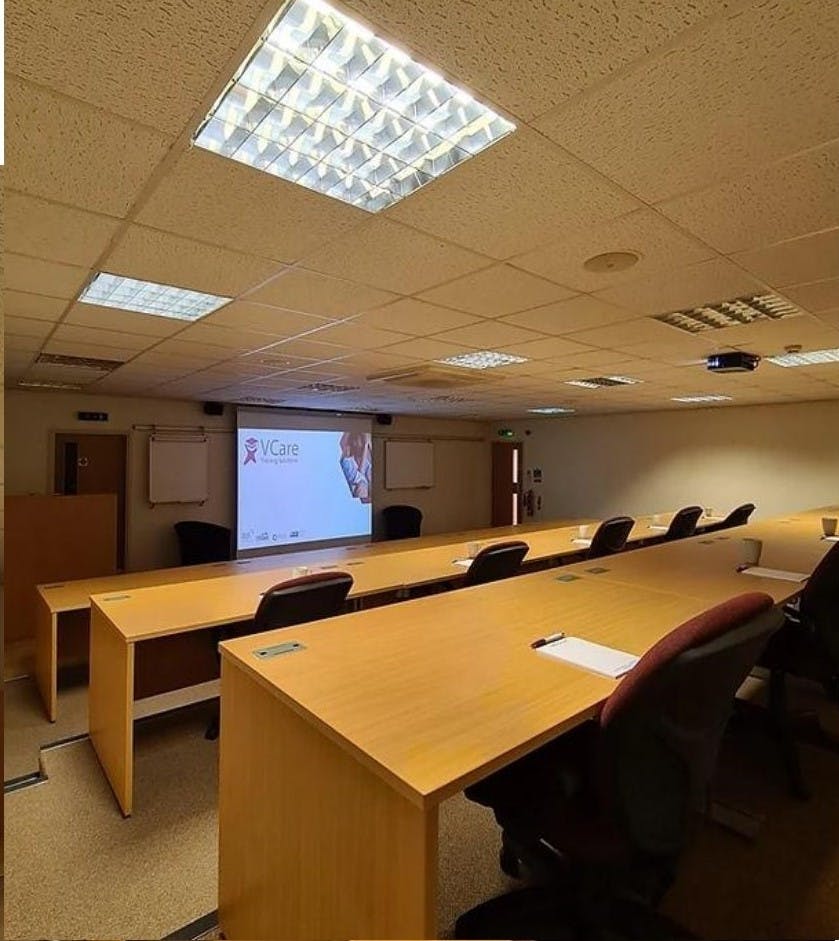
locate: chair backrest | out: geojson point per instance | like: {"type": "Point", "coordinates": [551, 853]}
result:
{"type": "Point", "coordinates": [499, 560]}
{"type": "Point", "coordinates": [308, 598]}
{"type": "Point", "coordinates": [819, 604]}
{"type": "Point", "coordinates": [402, 521]}
{"type": "Point", "coordinates": [739, 516]}
{"type": "Point", "coordinates": [684, 523]}
{"type": "Point", "coordinates": [661, 727]}
{"type": "Point", "coordinates": [201, 542]}
{"type": "Point", "coordinates": [610, 536]}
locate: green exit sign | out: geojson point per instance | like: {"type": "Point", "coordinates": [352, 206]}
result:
{"type": "Point", "coordinates": [505, 432]}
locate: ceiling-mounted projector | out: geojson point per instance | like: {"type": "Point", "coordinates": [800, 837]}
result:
{"type": "Point", "coordinates": [733, 362]}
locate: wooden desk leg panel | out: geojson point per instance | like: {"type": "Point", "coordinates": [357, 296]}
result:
{"type": "Point", "coordinates": [111, 706]}
{"type": "Point", "coordinates": [313, 845]}
{"type": "Point", "coordinates": [46, 657]}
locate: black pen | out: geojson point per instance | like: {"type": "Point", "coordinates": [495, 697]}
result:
{"type": "Point", "coordinates": [547, 640]}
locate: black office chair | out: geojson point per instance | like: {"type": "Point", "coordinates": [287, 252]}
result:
{"type": "Point", "coordinates": [807, 646]}
{"type": "Point", "coordinates": [201, 542]}
{"type": "Point", "coordinates": [401, 521]}
{"type": "Point", "coordinates": [601, 815]}
{"type": "Point", "coordinates": [739, 516]}
{"type": "Point", "coordinates": [287, 604]}
{"type": "Point", "coordinates": [683, 523]}
{"type": "Point", "coordinates": [610, 536]}
{"type": "Point", "coordinates": [496, 561]}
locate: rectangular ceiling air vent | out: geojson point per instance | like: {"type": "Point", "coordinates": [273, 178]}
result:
{"type": "Point", "coordinates": [430, 377]}
{"type": "Point", "coordinates": [735, 313]}
{"type": "Point", "coordinates": [79, 362]}
{"type": "Point", "coordinates": [327, 388]}
{"type": "Point", "coordinates": [602, 382]}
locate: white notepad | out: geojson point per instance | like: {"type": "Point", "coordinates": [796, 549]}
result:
{"type": "Point", "coordinates": [594, 657]}
{"type": "Point", "coordinates": [776, 573]}
{"type": "Point", "coordinates": [582, 542]}
{"type": "Point", "coordinates": [463, 563]}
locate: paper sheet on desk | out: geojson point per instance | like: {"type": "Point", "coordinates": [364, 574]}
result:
{"type": "Point", "coordinates": [594, 657]}
{"type": "Point", "coordinates": [831, 538]}
{"type": "Point", "coordinates": [776, 573]}
{"type": "Point", "coordinates": [463, 563]}
{"type": "Point", "coordinates": [582, 542]}
{"type": "Point", "coordinates": [656, 526]}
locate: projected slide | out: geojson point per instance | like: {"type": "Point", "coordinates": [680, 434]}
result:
{"type": "Point", "coordinates": [302, 486]}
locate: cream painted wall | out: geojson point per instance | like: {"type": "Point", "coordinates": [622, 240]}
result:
{"type": "Point", "coordinates": [780, 457]}
{"type": "Point", "coordinates": [460, 500]}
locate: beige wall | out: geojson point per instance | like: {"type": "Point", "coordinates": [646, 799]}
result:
{"type": "Point", "coordinates": [780, 457]}
{"type": "Point", "coordinates": [460, 500]}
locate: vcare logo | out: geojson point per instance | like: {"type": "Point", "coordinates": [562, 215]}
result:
{"type": "Point", "coordinates": [251, 444]}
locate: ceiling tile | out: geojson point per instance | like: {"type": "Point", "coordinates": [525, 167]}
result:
{"type": "Point", "coordinates": [512, 197]}
{"type": "Point", "coordinates": [703, 283]}
{"type": "Point", "coordinates": [151, 255]}
{"type": "Point", "coordinates": [812, 258]}
{"type": "Point", "coordinates": [518, 61]}
{"type": "Point", "coordinates": [213, 199]}
{"type": "Point", "coordinates": [546, 348]}
{"type": "Point", "coordinates": [55, 233]}
{"type": "Point", "coordinates": [137, 52]}
{"type": "Point", "coordinates": [309, 347]}
{"type": "Point", "coordinates": [660, 245]}
{"type": "Point", "coordinates": [242, 340]}
{"type": "Point", "coordinates": [427, 349]}
{"type": "Point", "coordinates": [594, 359]}
{"type": "Point", "coordinates": [33, 276]}
{"type": "Point", "coordinates": [357, 336]}
{"type": "Point", "coordinates": [190, 350]}
{"type": "Point", "coordinates": [117, 353]}
{"type": "Point", "coordinates": [816, 295]}
{"type": "Point", "coordinates": [576, 313]}
{"type": "Point", "coordinates": [15, 343]}
{"type": "Point", "coordinates": [316, 293]}
{"type": "Point", "coordinates": [619, 335]}
{"type": "Point", "coordinates": [753, 87]}
{"type": "Point", "coordinates": [262, 318]}
{"type": "Point", "coordinates": [24, 327]}
{"type": "Point", "coordinates": [767, 204]}
{"type": "Point", "coordinates": [62, 149]}
{"type": "Point", "coordinates": [771, 338]}
{"type": "Point", "coordinates": [393, 257]}
{"type": "Point", "coordinates": [36, 306]}
{"type": "Point", "coordinates": [494, 291]}
{"type": "Point", "coordinates": [70, 333]}
{"type": "Point", "coordinates": [125, 321]}
{"type": "Point", "coordinates": [487, 335]}
{"type": "Point", "coordinates": [416, 318]}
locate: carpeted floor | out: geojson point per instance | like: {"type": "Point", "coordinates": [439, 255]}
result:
{"type": "Point", "coordinates": [75, 869]}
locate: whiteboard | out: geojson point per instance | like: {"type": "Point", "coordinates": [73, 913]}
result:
{"type": "Point", "coordinates": [178, 469]}
{"type": "Point", "coordinates": [409, 464]}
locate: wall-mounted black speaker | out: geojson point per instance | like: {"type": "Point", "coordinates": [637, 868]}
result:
{"type": "Point", "coordinates": [384, 419]}
{"type": "Point", "coordinates": [214, 408]}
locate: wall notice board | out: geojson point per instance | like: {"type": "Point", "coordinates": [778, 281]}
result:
{"type": "Point", "coordinates": [409, 464]}
{"type": "Point", "coordinates": [178, 469]}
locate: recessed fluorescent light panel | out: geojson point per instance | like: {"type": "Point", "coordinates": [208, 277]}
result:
{"type": "Point", "coordinates": [551, 410]}
{"type": "Point", "coordinates": [602, 382]}
{"type": "Point", "coordinates": [63, 386]}
{"type": "Point", "coordinates": [323, 102]}
{"type": "Point", "coordinates": [813, 358]}
{"type": "Point", "coordinates": [740, 311]}
{"type": "Point", "coordinates": [484, 359]}
{"type": "Point", "coordinates": [701, 398]}
{"type": "Point", "coordinates": [146, 297]}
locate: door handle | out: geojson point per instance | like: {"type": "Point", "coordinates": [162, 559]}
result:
{"type": "Point", "coordinates": [83, 462]}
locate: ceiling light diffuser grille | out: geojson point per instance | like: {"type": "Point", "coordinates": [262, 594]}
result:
{"type": "Point", "coordinates": [602, 382]}
{"type": "Point", "coordinates": [483, 359]}
{"type": "Point", "coordinates": [147, 297]}
{"type": "Point", "coordinates": [812, 358]}
{"type": "Point", "coordinates": [742, 310]}
{"type": "Point", "coordinates": [323, 102]}
{"type": "Point", "coordinates": [701, 398]}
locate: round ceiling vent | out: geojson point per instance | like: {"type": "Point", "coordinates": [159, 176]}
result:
{"type": "Point", "coordinates": [612, 261]}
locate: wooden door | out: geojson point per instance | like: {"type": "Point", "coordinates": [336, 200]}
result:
{"type": "Point", "coordinates": [506, 483]}
{"type": "Point", "coordinates": [94, 464]}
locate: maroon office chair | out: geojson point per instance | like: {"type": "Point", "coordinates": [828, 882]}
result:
{"type": "Point", "coordinates": [287, 604]}
{"type": "Point", "coordinates": [610, 536]}
{"type": "Point", "coordinates": [601, 815]}
{"type": "Point", "coordinates": [200, 542]}
{"type": "Point", "coordinates": [739, 516]}
{"type": "Point", "coordinates": [807, 646]}
{"type": "Point", "coordinates": [683, 523]}
{"type": "Point", "coordinates": [401, 521]}
{"type": "Point", "coordinates": [496, 561]}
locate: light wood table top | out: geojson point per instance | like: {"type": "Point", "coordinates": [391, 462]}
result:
{"type": "Point", "coordinates": [437, 692]}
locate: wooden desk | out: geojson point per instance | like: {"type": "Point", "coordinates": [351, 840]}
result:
{"type": "Point", "coordinates": [334, 759]}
